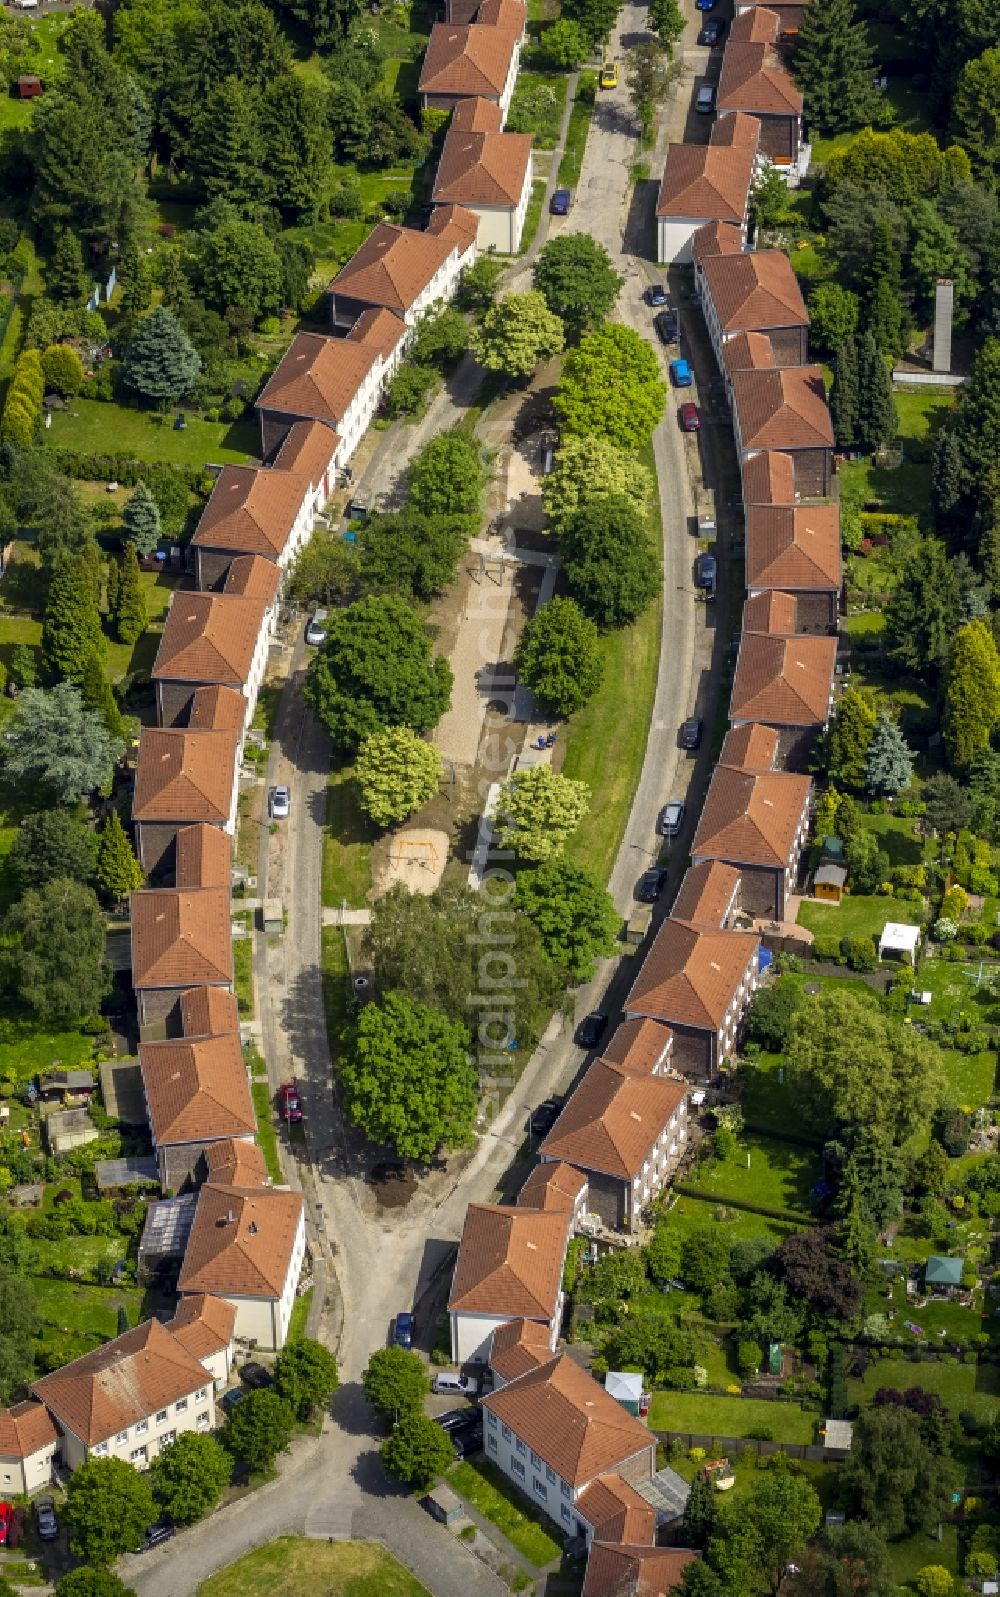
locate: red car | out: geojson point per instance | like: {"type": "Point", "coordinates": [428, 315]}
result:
{"type": "Point", "coordinates": [5, 1512]}
{"type": "Point", "coordinates": [690, 419]}
{"type": "Point", "coordinates": [289, 1104]}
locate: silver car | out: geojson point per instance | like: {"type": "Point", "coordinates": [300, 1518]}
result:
{"type": "Point", "coordinates": [671, 818]}
{"type": "Point", "coordinates": [316, 628]}
{"type": "Point", "coordinates": [279, 803]}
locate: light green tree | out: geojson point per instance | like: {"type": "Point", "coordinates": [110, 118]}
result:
{"type": "Point", "coordinates": [575, 915]}
{"type": "Point", "coordinates": [118, 871]}
{"type": "Point", "coordinates": [517, 334]}
{"type": "Point", "coordinates": [565, 44]}
{"type": "Point", "coordinates": [588, 468]}
{"type": "Point", "coordinates": [537, 810]}
{"type": "Point", "coordinates": [108, 1506]}
{"type": "Point", "coordinates": [63, 369]}
{"type": "Point", "coordinates": [848, 739]}
{"type": "Point", "coordinates": [305, 1375]}
{"type": "Point", "coordinates": [972, 693]}
{"type": "Point", "coordinates": [407, 1078]}
{"type": "Point", "coordinates": [611, 386]}
{"type": "Point", "coordinates": [189, 1476]}
{"type": "Point", "coordinates": [397, 772]}
{"type": "Point", "coordinates": [418, 1451]}
{"type": "Point", "coordinates": [395, 1381]}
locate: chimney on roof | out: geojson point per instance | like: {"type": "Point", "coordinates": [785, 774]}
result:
{"type": "Point", "coordinates": [252, 1228]}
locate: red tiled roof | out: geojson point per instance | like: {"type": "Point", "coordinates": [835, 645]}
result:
{"type": "Point", "coordinates": [252, 511]}
{"type": "Point", "coordinates": [706, 180]}
{"type": "Point", "coordinates": [197, 1090]}
{"type": "Point", "coordinates": [794, 548]}
{"type": "Point", "coordinates": [716, 238]}
{"type": "Point", "coordinates": [204, 857]}
{"type": "Point", "coordinates": [181, 939]}
{"type": "Point", "coordinates": [754, 78]}
{"type": "Point", "coordinates": [510, 1261]}
{"type": "Point", "coordinates": [242, 1241]}
{"type": "Point", "coordinates": [519, 1346]}
{"type": "Point", "coordinates": [552, 1185]}
{"type": "Point", "coordinates": [183, 775]}
{"type": "Point", "coordinates": [208, 1011]}
{"type": "Point", "coordinates": [750, 747]}
{"type": "Point", "coordinates": [758, 26]}
{"type": "Point", "coordinates": [483, 168]}
{"type": "Point", "coordinates": [771, 611]}
{"type": "Point", "coordinates": [782, 410]}
{"type": "Point", "coordinates": [639, 1044]}
{"type": "Point", "coordinates": [217, 709]}
{"type": "Point", "coordinates": [612, 1120]}
{"type": "Point", "coordinates": [769, 479]}
{"type": "Point", "coordinates": [477, 116]}
{"type": "Point", "coordinates": [783, 681]}
{"type": "Point", "coordinates": [569, 1420]}
{"type": "Point", "coordinates": [209, 637]}
{"type": "Point", "coordinates": [253, 577]}
{"type": "Point", "coordinates": [691, 974]}
{"type": "Point", "coordinates": [26, 1428]}
{"type": "Point", "coordinates": [746, 352]}
{"type": "Point", "coordinates": [456, 224]}
{"type": "Point", "coordinates": [706, 894]}
{"type": "Point", "coordinates": [203, 1324]}
{"type": "Point", "coordinates": [392, 267]}
{"type": "Point", "coordinates": [380, 328]}
{"type": "Point", "coordinates": [236, 1162]}
{"type": "Point", "coordinates": [616, 1512]}
{"type": "Point", "coordinates": [308, 449]}
{"type": "Point", "coordinates": [467, 59]}
{"type": "Point", "coordinates": [614, 1570]}
{"type": "Point", "coordinates": [318, 377]}
{"type": "Point", "coordinates": [751, 818]}
{"type": "Point", "coordinates": [126, 1380]}
{"type": "Point", "coordinates": [755, 291]}
{"type": "Point", "coordinates": [737, 128]}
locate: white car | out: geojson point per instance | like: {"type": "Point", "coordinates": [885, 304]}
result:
{"type": "Point", "coordinates": [316, 628]}
{"type": "Point", "coordinates": [671, 816]}
{"type": "Point", "coordinates": [279, 803]}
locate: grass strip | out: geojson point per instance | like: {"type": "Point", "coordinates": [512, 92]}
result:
{"type": "Point", "coordinates": [498, 1501]}
{"type": "Point", "coordinates": [266, 1134]}
{"type": "Point", "coordinates": [576, 133]}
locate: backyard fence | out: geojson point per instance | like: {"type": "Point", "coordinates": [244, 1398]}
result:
{"type": "Point", "coordinates": [733, 1446]}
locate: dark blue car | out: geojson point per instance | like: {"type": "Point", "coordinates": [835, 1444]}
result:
{"type": "Point", "coordinates": [559, 203]}
{"type": "Point", "coordinates": [404, 1329]}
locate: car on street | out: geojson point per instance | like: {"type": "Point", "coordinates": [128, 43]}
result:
{"type": "Point", "coordinates": [289, 1103]}
{"type": "Point", "coordinates": [689, 736]}
{"type": "Point", "coordinates": [155, 1536]}
{"type": "Point", "coordinates": [255, 1376]}
{"type": "Point", "coordinates": [45, 1519]}
{"type": "Point", "coordinates": [560, 203]}
{"type": "Point", "coordinates": [404, 1329]}
{"type": "Point", "coordinates": [711, 33]}
{"type": "Point", "coordinates": [544, 1117]}
{"type": "Point", "coordinates": [704, 100]}
{"type": "Point", "coordinates": [667, 327]}
{"type": "Point", "coordinates": [591, 1029]}
{"type": "Point", "coordinates": [704, 5]}
{"type": "Point", "coordinates": [609, 75]}
{"type": "Point", "coordinates": [671, 818]}
{"type": "Point", "coordinates": [706, 571]}
{"type": "Point", "coordinates": [656, 294]}
{"type": "Point", "coordinates": [650, 885]}
{"type": "Point", "coordinates": [279, 803]}
{"type": "Point", "coordinates": [6, 1510]}
{"type": "Point", "coordinates": [316, 628]}
{"type": "Point", "coordinates": [690, 418]}
{"type": "Point", "coordinates": [680, 373]}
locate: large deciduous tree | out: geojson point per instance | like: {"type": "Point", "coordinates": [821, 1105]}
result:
{"type": "Point", "coordinates": [161, 363]}
{"type": "Point", "coordinates": [611, 387]}
{"type": "Point", "coordinates": [405, 552]}
{"type": "Point", "coordinates": [108, 1508]}
{"type": "Point", "coordinates": [189, 1476]}
{"type": "Point", "coordinates": [808, 1264]}
{"type": "Point", "coordinates": [395, 1381]}
{"type": "Point", "coordinates": [55, 956]}
{"type": "Point", "coordinates": [238, 266]}
{"type": "Point", "coordinates": [972, 694]}
{"type": "Point", "coordinates": [305, 1375]}
{"type": "Point", "coordinates": [758, 1537]}
{"type": "Point", "coordinates": [56, 743]}
{"type": "Point", "coordinates": [893, 1478]}
{"type": "Point", "coordinates": [51, 843]}
{"type": "Point", "coordinates": [377, 669]}
{"type": "Point", "coordinates": [574, 913]}
{"type": "Point", "coordinates": [517, 334]}
{"type": "Point", "coordinates": [397, 772]}
{"type": "Point", "coordinates": [587, 469]}
{"type": "Point", "coordinates": [834, 313]}
{"type": "Point", "coordinates": [611, 566]}
{"type": "Point", "coordinates": [418, 1451]}
{"type": "Point", "coordinates": [559, 657]}
{"type": "Point", "coordinates": [848, 1560]}
{"type": "Point", "coordinates": [537, 811]}
{"type": "Point", "coordinates": [258, 1429]}
{"type": "Point", "coordinates": [446, 477]}
{"type": "Point", "coordinates": [407, 1078]}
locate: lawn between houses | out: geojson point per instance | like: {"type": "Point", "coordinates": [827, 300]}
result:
{"type": "Point", "coordinates": [295, 1567]}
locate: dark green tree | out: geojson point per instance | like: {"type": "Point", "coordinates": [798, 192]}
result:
{"type": "Point", "coordinates": [258, 1429]}
{"type": "Point", "coordinates": [596, 17]}
{"type": "Point", "coordinates": [305, 1375]}
{"type": "Point", "coordinates": [666, 20]}
{"type": "Point", "coordinates": [55, 955]}
{"type": "Point", "coordinates": [757, 1538]}
{"type": "Point", "coordinates": [55, 741]}
{"type": "Point", "coordinates": [834, 68]}
{"type": "Point", "coordinates": [892, 1478]}
{"type": "Point", "coordinates": [574, 913]}
{"type": "Point", "coordinates": [575, 277]}
{"type": "Point", "coordinates": [19, 1326]}
{"type": "Point", "coordinates": [611, 568]}
{"type": "Point", "coordinates": [141, 522]}
{"type": "Point", "coordinates": [55, 510]}
{"type": "Point", "coordinates": [377, 669]}
{"type": "Point", "coordinates": [407, 1078]}
{"type": "Point", "coordinates": [129, 618]}
{"type": "Point", "coordinates": [410, 554]}
{"type": "Point", "coordinates": [446, 477]}
{"type": "Point", "coordinates": [395, 1382]}
{"type": "Point", "coordinates": [849, 1560]}
{"type": "Point", "coordinates": [328, 22]}
{"type": "Point", "coordinates": [418, 1451]}
{"type": "Point", "coordinates": [878, 420]}
{"type": "Point", "coordinates": [98, 695]}
{"type": "Point", "coordinates": [923, 610]}
{"type": "Point", "coordinates": [297, 151]}
{"type": "Point", "coordinates": [189, 1476]}
{"type": "Point", "coordinates": [160, 363]}
{"type": "Point", "coordinates": [698, 1520]}
{"type": "Point", "coordinates": [226, 149]}
{"type": "Point", "coordinates": [845, 396]}
{"type": "Point", "coordinates": [559, 657]}
{"type": "Point", "coordinates": [885, 314]}
{"type": "Point", "coordinates": [71, 629]}
{"type": "Point", "coordinates": [118, 871]}
{"type": "Point", "coordinates": [65, 278]}
{"type": "Point", "coordinates": [238, 267]}
{"type": "Point", "coordinates": [51, 843]}
{"type": "Point", "coordinates": [85, 1582]}
{"type": "Point", "coordinates": [133, 278]}
{"type": "Point", "coordinates": [848, 739]}
{"type": "Point", "coordinates": [771, 1015]}
{"type": "Point", "coordinates": [948, 483]}
{"type": "Point", "coordinates": [108, 1507]}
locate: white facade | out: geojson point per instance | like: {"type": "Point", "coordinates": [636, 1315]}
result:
{"type": "Point", "coordinates": [360, 411]}
{"type": "Point", "coordinates": [674, 235]}
{"type": "Point", "coordinates": [662, 1158]}
{"type": "Point", "coordinates": [265, 1320]}
{"type": "Point", "coordinates": [736, 1013]}
{"type": "Point", "coordinates": [472, 1334]}
{"type": "Point", "coordinates": [19, 1477]}
{"type": "Point", "coordinates": [500, 227]}
{"type": "Point", "coordinates": [550, 1493]}
{"type": "Point", "coordinates": [139, 1444]}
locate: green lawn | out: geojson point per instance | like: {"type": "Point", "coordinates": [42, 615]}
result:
{"type": "Point", "coordinates": [76, 1253]}
{"type": "Point", "coordinates": [494, 1496]}
{"type": "Point", "coordinates": [959, 1386]}
{"type": "Point", "coordinates": [89, 1310]}
{"type": "Point", "coordinates": [91, 426]}
{"type": "Point", "coordinates": [856, 916]}
{"type": "Point", "coordinates": [780, 1174]}
{"type": "Point", "coordinates": [335, 973]}
{"type": "Point", "coordinates": [347, 843]}
{"type": "Point", "coordinates": [899, 836]}
{"type": "Point", "coordinates": [299, 1316]}
{"type": "Point", "coordinates": [266, 1134]}
{"type": "Point", "coordinates": [28, 1048]}
{"type": "Point", "coordinates": [532, 215]}
{"type": "Point", "coordinates": [295, 1567]}
{"type": "Point", "coordinates": [576, 142]}
{"type": "Point", "coordinates": [548, 110]}
{"type": "Point", "coordinates": [243, 972]}
{"type": "Point", "coordinates": [695, 1214]}
{"type": "Point", "coordinates": [908, 1556]}
{"type": "Point", "coordinates": [731, 1416]}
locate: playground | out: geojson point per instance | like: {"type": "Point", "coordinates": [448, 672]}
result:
{"type": "Point", "coordinates": [415, 857]}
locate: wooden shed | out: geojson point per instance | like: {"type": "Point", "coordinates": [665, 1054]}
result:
{"type": "Point", "coordinates": [29, 87]}
{"type": "Point", "coordinates": [830, 883]}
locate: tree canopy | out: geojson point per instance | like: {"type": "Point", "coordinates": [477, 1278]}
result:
{"type": "Point", "coordinates": [517, 333]}
{"type": "Point", "coordinates": [575, 915]}
{"type": "Point", "coordinates": [55, 959]}
{"type": "Point", "coordinates": [538, 809]}
{"type": "Point", "coordinates": [108, 1508]}
{"type": "Point", "coordinates": [160, 363]}
{"type": "Point", "coordinates": [611, 387]}
{"type": "Point", "coordinates": [972, 694]}
{"type": "Point", "coordinates": [590, 468]}
{"type": "Point", "coordinates": [53, 741]}
{"type": "Point", "coordinates": [258, 1429]}
{"type": "Point", "coordinates": [377, 669]}
{"type": "Point", "coordinates": [397, 772]}
{"type": "Point", "coordinates": [559, 657]}
{"type": "Point", "coordinates": [51, 843]}
{"type": "Point", "coordinates": [395, 1381]}
{"type": "Point", "coordinates": [305, 1375]}
{"type": "Point", "coordinates": [407, 1078]}
{"type": "Point", "coordinates": [893, 1478]}
{"type": "Point", "coordinates": [189, 1476]}
{"type": "Point", "coordinates": [446, 477]}
{"type": "Point", "coordinates": [612, 569]}
{"type": "Point", "coordinates": [418, 1451]}
{"type": "Point", "coordinates": [575, 277]}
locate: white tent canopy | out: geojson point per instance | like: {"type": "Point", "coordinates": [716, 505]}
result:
{"type": "Point", "coordinates": [899, 939]}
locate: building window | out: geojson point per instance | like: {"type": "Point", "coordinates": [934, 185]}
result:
{"type": "Point", "coordinates": [540, 1490]}
{"type": "Point", "coordinates": [491, 1419]}
{"type": "Point", "coordinates": [518, 1468]}
{"type": "Point", "coordinates": [567, 1516]}
{"type": "Point", "coordinates": [536, 1462]}
{"type": "Point", "coordinates": [505, 1432]}
{"type": "Point", "coordinates": [492, 1443]}
{"type": "Point", "coordinates": [202, 1420]}
{"type": "Point", "coordinates": [550, 1475]}
{"type": "Point", "coordinates": [167, 1438]}
{"type": "Point", "coordinates": [522, 1449]}
{"type": "Point", "coordinates": [137, 1455]}
{"type": "Point", "coordinates": [564, 1488]}
{"type": "Point", "coordinates": [161, 1416]}
{"type": "Point", "coordinates": [201, 1392]}
{"type": "Point", "coordinates": [180, 1405]}
{"type": "Point", "coordinates": [122, 1436]}
{"type": "Point", "coordinates": [100, 1450]}
{"type": "Point", "coordinates": [140, 1426]}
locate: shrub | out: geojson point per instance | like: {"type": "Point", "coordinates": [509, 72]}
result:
{"type": "Point", "coordinates": [826, 946]}
{"type": "Point", "coordinates": [861, 954]}
{"type": "Point", "coordinates": [945, 930]}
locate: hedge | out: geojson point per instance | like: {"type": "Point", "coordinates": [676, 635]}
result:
{"type": "Point", "coordinates": [792, 1216]}
{"type": "Point", "coordinates": [129, 471]}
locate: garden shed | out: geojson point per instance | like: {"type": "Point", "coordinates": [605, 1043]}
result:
{"type": "Point", "coordinates": [900, 940]}
{"type": "Point", "coordinates": [830, 883]}
{"type": "Point", "coordinates": [68, 1128]}
{"type": "Point", "coordinates": [838, 1436]}
{"type": "Point", "coordinates": [943, 1273]}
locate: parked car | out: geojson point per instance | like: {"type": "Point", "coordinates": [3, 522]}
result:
{"type": "Point", "coordinates": [656, 294]}
{"type": "Point", "coordinates": [6, 1510]}
{"type": "Point", "coordinates": [680, 373]}
{"type": "Point", "coordinates": [451, 1381]}
{"type": "Point", "coordinates": [650, 885]}
{"type": "Point", "coordinates": [711, 33]}
{"type": "Point", "coordinates": [671, 818]}
{"type": "Point", "coordinates": [458, 1419]}
{"type": "Point", "coordinates": [704, 5]}
{"type": "Point", "coordinates": [45, 1519]}
{"type": "Point", "coordinates": [316, 628]}
{"type": "Point", "coordinates": [404, 1329]}
{"type": "Point", "coordinates": [289, 1103]}
{"type": "Point", "coordinates": [468, 1441]}
{"type": "Point", "coordinates": [690, 418]}
{"type": "Point", "coordinates": [279, 803]}
{"type": "Point", "coordinates": [255, 1376]}
{"type": "Point", "coordinates": [544, 1117]}
{"type": "Point", "coordinates": [704, 100]}
{"type": "Point", "coordinates": [560, 203]}
{"type": "Point", "coordinates": [591, 1029]}
{"type": "Point", "coordinates": [667, 327]}
{"type": "Point", "coordinates": [233, 1398]}
{"type": "Point", "coordinates": [706, 571]}
{"type": "Point", "coordinates": [156, 1535]}
{"type": "Point", "coordinates": [609, 75]}
{"type": "Point", "coordinates": [690, 733]}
